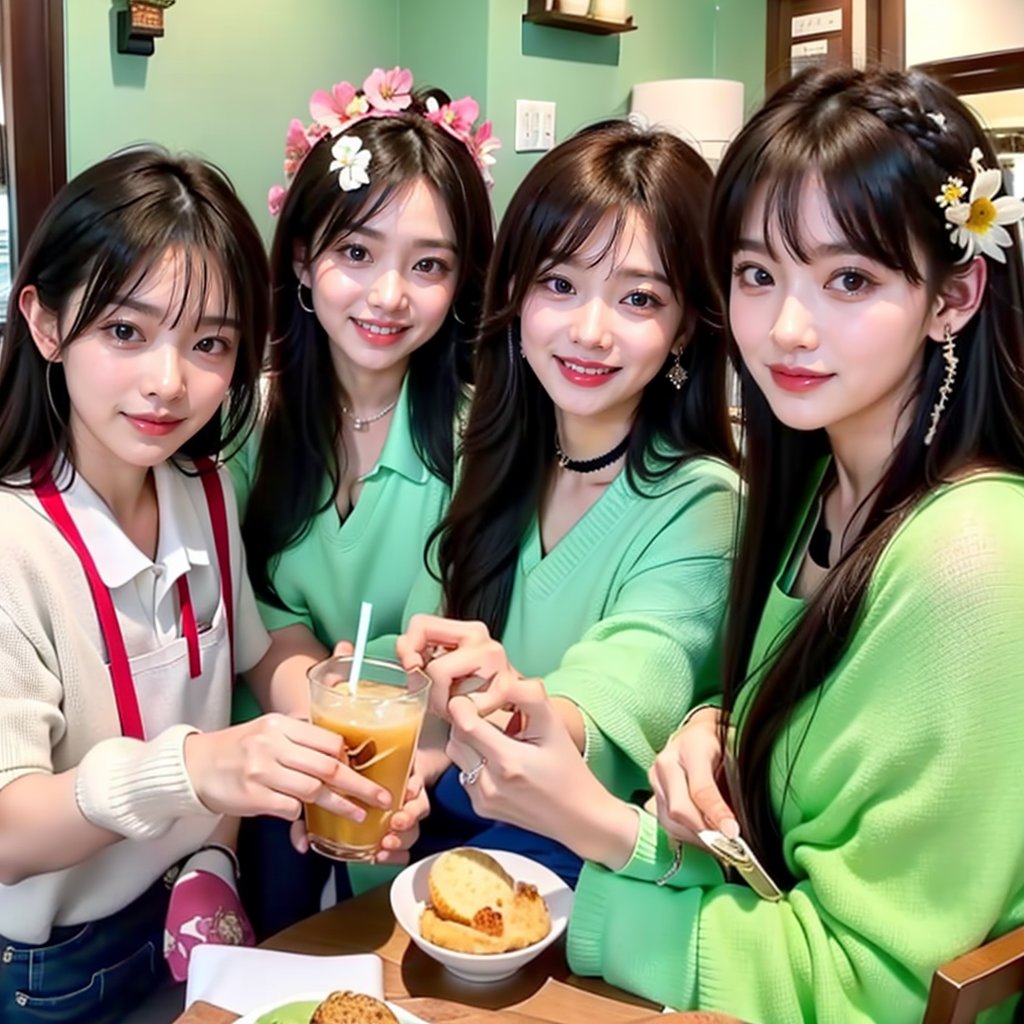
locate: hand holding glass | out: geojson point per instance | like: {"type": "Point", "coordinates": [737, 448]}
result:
{"type": "Point", "coordinates": [379, 718]}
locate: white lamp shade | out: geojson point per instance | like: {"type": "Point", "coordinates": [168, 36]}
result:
{"type": "Point", "coordinates": [706, 112]}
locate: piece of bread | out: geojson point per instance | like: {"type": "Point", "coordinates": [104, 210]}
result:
{"type": "Point", "coordinates": [352, 1008]}
{"type": "Point", "coordinates": [476, 907]}
{"type": "Point", "coordinates": [470, 887]}
{"type": "Point", "coordinates": [529, 920]}
{"type": "Point", "coordinates": [462, 938]}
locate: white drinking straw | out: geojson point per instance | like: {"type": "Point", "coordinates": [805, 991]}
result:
{"type": "Point", "coordinates": [362, 632]}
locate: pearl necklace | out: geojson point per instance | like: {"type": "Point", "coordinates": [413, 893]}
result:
{"type": "Point", "coordinates": [362, 425]}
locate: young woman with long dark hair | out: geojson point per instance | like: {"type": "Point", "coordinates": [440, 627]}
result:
{"type": "Point", "coordinates": [589, 538]}
{"type": "Point", "coordinates": [872, 716]}
{"type": "Point", "coordinates": [377, 267]}
{"type": "Point", "coordinates": [137, 317]}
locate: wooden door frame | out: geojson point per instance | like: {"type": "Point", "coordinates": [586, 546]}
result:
{"type": "Point", "coordinates": [980, 72]}
{"type": "Point", "coordinates": [884, 37]}
{"type": "Point", "coordinates": [32, 62]}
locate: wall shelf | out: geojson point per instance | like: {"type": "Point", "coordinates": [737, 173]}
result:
{"type": "Point", "coordinates": [579, 23]}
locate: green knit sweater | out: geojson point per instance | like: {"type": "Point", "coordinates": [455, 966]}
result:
{"type": "Point", "coordinates": [623, 615]}
{"type": "Point", "coordinates": [903, 824]}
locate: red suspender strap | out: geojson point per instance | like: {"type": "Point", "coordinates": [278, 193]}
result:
{"type": "Point", "coordinates": [120, 670]}
{"type": "Point", "coordinates": [189, 628]}
{"type": "Point", "coordinates": [219, 521]}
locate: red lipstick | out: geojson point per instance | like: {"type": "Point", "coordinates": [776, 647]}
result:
{"type": "Point", "coordinates": [585, 373]}
{"type": "Point", "coordinates": [797, 379]}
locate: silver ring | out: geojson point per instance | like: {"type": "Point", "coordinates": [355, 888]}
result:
{"type": "Point", "coordinates": [470, 777]}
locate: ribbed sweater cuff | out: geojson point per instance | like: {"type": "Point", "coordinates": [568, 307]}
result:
{"type": "Point", "coordinates": [653, 855]}
{"type": "Point", "coordinates": [636, 935]}
{"type": "Point", "coordinates": [137, 789]}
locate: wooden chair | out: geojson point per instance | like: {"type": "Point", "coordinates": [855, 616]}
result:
{"type": "Point", "coordinates": [964, 987]}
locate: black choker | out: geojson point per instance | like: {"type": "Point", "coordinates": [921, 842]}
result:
{"type": "Point", "coordinates": [591, 465]}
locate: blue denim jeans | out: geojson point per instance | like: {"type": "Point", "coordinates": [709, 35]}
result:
{"type": "Point", "coordinates": [87, 974]}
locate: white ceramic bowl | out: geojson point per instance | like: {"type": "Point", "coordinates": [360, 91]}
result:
{"type": "Point", "coordinates": [409, 895]}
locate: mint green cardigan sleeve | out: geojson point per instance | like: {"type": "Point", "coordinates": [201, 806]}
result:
{"type": "Point", "coordinates": [635, 673]}
{"type": "Point", "coordinates": [902, 824]}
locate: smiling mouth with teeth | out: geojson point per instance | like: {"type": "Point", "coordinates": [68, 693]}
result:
{"type": "Point", "coordinates": [589, 371]}
{"type": "Point", "coordinates": [377, 329]}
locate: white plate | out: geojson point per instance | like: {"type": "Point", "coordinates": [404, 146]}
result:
{"type": "Point", "coordinates": [404, 1016]}
{"type": "Point", "coordinates": [409, 896]}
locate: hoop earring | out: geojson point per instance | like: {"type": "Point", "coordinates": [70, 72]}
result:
{"type": "Point", "coordinates": [302, 305]}
{"type": "Point", "coordinates": [946, 388]}
{"type": "Point", "coordinates": [49, 393]}
{"type": "Point", "coordinates": [458, 319]}
{"type": "Point", "coordinates": [675, 374]}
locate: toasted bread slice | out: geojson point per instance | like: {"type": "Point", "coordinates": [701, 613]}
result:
{"type": "Point", "coordinates": [352, 1008]}
{"type": "Point", "coordinates": [529, 920]}
{"type": "Point", "coordinates": [462, 938]}
{"type": "Point", "coordinates": [470, 887]}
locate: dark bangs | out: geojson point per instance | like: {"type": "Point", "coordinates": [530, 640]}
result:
{"type": "Point", "coordinates": [611, 168]}
{"type": "Point", "coordinates": [404, 148]}
{"type": "Point", "coordinates": [880, 196]}
{"type": "Point", "coordinates": [103, 235]}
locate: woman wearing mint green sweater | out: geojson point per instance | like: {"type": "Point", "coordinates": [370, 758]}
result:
{"type": "Point", "coordinates": [592, 527]}
{"type": "Point", "coordinates": [874, 673]}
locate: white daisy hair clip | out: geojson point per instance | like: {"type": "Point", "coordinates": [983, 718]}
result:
{"type": "Point", "coordinates": [351, 162]}
{"type": "Point", "coordinates": [979, 224]}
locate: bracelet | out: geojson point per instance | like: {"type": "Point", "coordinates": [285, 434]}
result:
{"type": "Point", "coordinates": [227, 851]}
{"type": "Point", "coordinates": [677, 862]}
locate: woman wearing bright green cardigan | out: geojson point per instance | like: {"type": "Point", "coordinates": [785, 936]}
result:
{"type": "Point", "coordinates": [592, 527]}
{"type": "Point", "coordinates": [872, 711]}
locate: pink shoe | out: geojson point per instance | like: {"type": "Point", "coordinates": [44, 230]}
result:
{"type": "Point", "coordinates": [203, 908]}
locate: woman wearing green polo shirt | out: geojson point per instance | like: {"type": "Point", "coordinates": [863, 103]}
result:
{"type": "Point", "coordinates": [592, 528]}
{"type": "Point", "coordinates": [378, 259]}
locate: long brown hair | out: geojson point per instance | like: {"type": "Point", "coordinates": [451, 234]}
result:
{"type": "Point", "coordinates": [613, 167]}
{"type": "Point", "coordinates": [870, 138]}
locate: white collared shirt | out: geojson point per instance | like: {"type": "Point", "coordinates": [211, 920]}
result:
{"type": "Point", "coordinates": [56, 697]}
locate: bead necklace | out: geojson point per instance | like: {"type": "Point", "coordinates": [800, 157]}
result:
{"type": "Point", "coordinates": [591, 465]}
{"type": "Point", "coordinates": [360, 424]}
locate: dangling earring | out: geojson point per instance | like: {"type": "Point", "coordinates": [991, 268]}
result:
{"type": "Point", "coordinates": [946, 388]}
{"type": "Point", "coordinates": [302, 305]}
{"type": "Point", "coordinates": [676, 375]}
{"type": "Point", "coordinates": [512, 346]}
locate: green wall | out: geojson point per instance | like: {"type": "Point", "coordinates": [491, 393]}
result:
{"type": "Point", "coordinates": [442, 41]}
{"type": "Point", "coordinates": [224, 81]}
{"type": "Point", "coordinates": [589, 77]}
{"type": "Point", "coordinates": [230, 74]}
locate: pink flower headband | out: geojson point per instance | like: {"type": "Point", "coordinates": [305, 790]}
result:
{"type": "Point", "coordinates": [384, 94]}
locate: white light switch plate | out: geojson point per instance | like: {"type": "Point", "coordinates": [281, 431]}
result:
{"type": "Point", "coordinates": [535, 125]}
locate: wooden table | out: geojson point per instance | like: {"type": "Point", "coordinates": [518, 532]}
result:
{"type": "Point", "coordinates": [542, 991]}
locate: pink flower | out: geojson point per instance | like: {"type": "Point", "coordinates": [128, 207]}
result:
{"type": "Point", "coordinates": [296, 146]}
{"type": "Point", "coordinates": [389, 90]}
{"type": "Point", "coordinates": [275, 199]}
{"type": "Point", "coordinates": [331, 109]}
{"type": "Point", "coordinates": [456, 117]}
{"type": "Point", "coordinates": [482, 145]}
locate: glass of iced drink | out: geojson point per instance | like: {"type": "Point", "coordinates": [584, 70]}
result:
{"type": "Point", "coordinates": [379, 719]}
